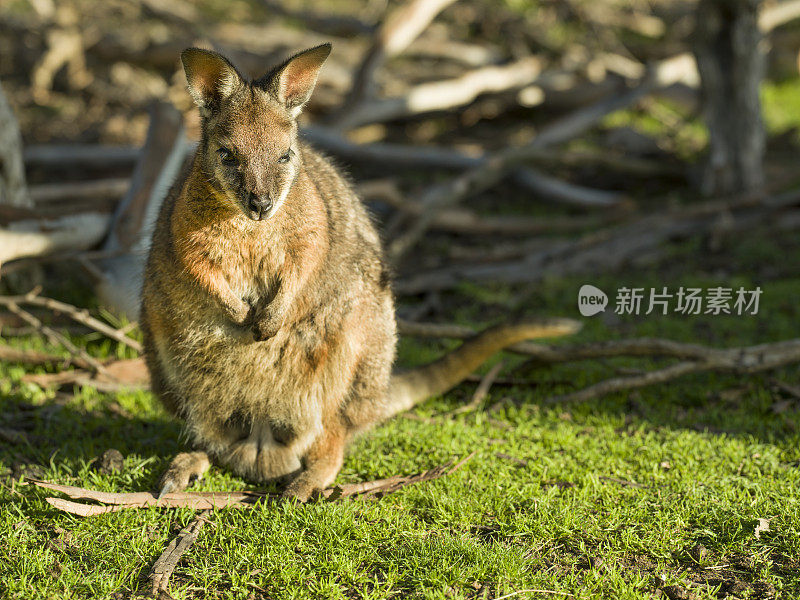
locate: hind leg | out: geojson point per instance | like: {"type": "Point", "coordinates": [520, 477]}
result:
{"type": "Point", "coordinates": [185, 467]}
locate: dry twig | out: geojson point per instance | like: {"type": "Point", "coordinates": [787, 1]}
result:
{"type": "Point", "coordinates": [693, 358]}
{"type": "Point", "coordinates": [78, 315]}
{"type": "Point", "coordinates": [481, 391]}
{"type": "Point", "coordinates": [113, 502]}
{"type": "Point", "coordinates": [162, 569]}
{"type": "Point", "coordinates": [79, 356]}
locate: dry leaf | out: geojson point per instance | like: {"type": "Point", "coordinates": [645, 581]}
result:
{"type": "Point", "coordinates": [761, 527]}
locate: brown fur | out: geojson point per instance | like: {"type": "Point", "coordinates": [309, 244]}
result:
{"type": "Point", "coordinates": [274, 339]}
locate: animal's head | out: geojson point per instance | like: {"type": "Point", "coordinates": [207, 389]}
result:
{"type": "Point", "coordinates": [249, 144]}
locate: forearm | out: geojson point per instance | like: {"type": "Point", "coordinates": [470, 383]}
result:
{"type": "Point", "coordinates": [215, 284]}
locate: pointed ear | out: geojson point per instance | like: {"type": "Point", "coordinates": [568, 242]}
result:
{"type": "Point", "coordinates": [211, 77]}
{"type": "Point", "coordinates": [293, 82]}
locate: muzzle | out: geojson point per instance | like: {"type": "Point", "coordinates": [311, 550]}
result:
{"type": "Point", "coordinates": [258, 206]}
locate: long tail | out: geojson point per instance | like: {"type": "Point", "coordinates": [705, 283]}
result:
{"type": "Point", "coordinates": [408, 388]}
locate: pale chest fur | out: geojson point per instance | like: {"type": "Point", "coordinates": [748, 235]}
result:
{"type": "Point", "coordinates": [250, 263]}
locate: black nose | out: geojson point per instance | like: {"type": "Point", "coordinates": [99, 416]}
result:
{"type": "Point", "coordinates": [258, 206]}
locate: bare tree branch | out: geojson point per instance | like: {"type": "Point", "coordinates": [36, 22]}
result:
{"type": "Point", "coordinates": [746, 360]}
{"type": "Point", "coordinates": [32, 357]}
{"type": "Point", "coordinates": [86, 155]}
{"type": "Point", "coordinates": [613, 247]}
{"type": "Point", "coordinates": [446, 94]}
{"type": "Point", "coordinates": [80, 357]}
{"type": "Point", "coordinates": [40, 236]}
{"type": "Point", "coordinates": [459, 220]}
{"type": "Point", "coordinates": [778, 13]}
{"type": "Point", "coordinates": [78, 315]}
{"type": "Point", "coordinates": [499, 165]}
{"type": "Point", "coordinates": [694, 358]}
{"type": "Point", "coordinates": [397, 31]}
{"type": "Point", "coordinates": [430, 157]}
{"type": "Point", "coordinates": [44, 193]}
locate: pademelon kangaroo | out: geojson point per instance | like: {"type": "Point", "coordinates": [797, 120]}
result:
{"type": "Point", "coordinates": [267, 312]}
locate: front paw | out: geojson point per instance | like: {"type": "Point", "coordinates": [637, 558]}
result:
{"type": "Point", "coordinates": [266, 327]}
{"type": "Point", "coordinates": [240, 313]}
{"type": "Point", "coordinates": [185, 467]}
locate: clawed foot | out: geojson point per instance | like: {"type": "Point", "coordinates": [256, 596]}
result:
{"type": "Point", "coordinates": [302, 489]}
{"type": "Point", "coordinates": [184, 468]}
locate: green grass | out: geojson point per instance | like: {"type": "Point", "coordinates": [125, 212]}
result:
{"type": "Point", "coordinates": [782, 104]}
{"type": "Point", "coordinates": [546, 504]}
{"type": "Point", "coordinates": [604, 499]}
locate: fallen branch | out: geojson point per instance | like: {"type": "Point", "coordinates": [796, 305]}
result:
{"type": "Point", "coordinates": [329, 140]}
{"type": "Point", "coordinates": [401, 27]}
{"type": "Point", "coordinates": [745, 360]}
{"type": "Point", "coordinates": [78, 315]}
{"type": "Point", "coordinates": [162, 569]}
{"type": "Point", "coordinates": [86, 155]}
{"type": "Point", "coordinates": [441, 47]}
{"type": "Point", "coordinates": [500, 164]}
{"type": "Point", "coordinates": [400, 155]}
{"type": "Point", "coordinates": [46, 193]}
{"type": "Point", "coordinates": [79, 356]}
{"type": "Point", "coordinates": [113, 502]}
{"type": "Point", "coordinates": [459, 220]}
{"type": "Point", "coordinates": [694, 358]}
{"type": "Point", "coordinates": [778, 14]}
{"type": "Point", "coordinates": [447, 94]}
{"type": "Point", "coordinates": [33, 357]}
{"type": "Point", "coordinates": [43, 236]}
{"type": "Point", "coordinates": [117, 375]}
{"type": "Point", "coordinates": [613, 247]}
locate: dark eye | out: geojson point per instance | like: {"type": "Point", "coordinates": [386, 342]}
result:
{"type": "Point", "coordinates": [227, 157]}
{"type": "Point", "coordinates": [285, 158]}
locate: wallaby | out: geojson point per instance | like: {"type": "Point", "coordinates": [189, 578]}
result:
{"type": "Point", "coordinates": [267, 311]}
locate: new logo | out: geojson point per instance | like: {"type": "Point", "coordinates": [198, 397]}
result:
{"type": "Point", "coordinates": [591, 300]}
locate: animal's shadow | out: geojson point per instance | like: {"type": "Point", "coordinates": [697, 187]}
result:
{"type": "Point", "coordinates": [58, 436]}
